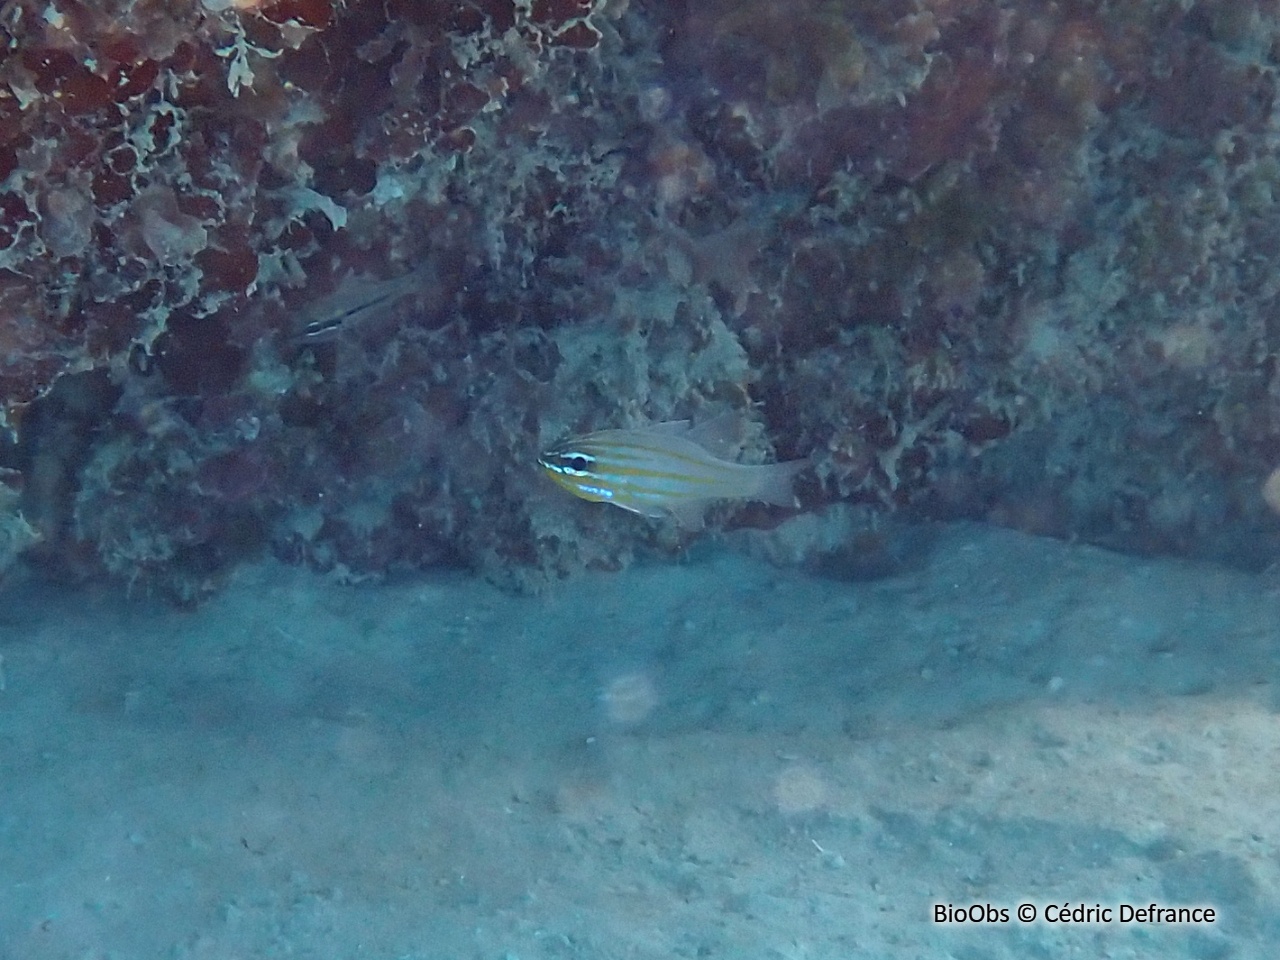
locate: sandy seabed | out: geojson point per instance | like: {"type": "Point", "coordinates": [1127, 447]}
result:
{"type": "Point", "coordinates": [712, 759]}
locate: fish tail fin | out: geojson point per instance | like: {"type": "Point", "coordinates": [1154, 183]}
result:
{"type": "Point", "coordinates": [776, 482]}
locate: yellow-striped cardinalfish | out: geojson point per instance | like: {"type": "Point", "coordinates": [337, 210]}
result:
{"type": "Point", "coordinates": [667, 469]}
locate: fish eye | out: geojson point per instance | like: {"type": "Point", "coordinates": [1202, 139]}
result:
{"type": "Point", "coordinates": [578, 463]}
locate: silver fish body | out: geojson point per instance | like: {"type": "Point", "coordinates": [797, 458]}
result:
{"type": "Point", "coordinates": [665, 470]}
{"type": "Point", "coordinates": [356, 300]}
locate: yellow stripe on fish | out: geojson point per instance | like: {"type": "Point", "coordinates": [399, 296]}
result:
{"type": "Point", "coordinates": [665, 470]}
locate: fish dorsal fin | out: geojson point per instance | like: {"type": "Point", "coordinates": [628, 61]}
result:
{"type": "Point", "coordinates": [723, 435]}
{"type": "Point", "coordinates": [674, 428]}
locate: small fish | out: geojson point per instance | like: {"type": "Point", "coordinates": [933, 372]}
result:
{"type": "Point", "coordinates": [667, 470]}
{"type": "Point", "coordinates": [355, 300]}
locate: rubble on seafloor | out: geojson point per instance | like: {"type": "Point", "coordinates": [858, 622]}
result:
{"type": "Point", "coordinates": [321, 279]}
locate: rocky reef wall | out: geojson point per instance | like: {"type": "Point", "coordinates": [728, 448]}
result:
{"type": "Point", "coordinates": [321, 279]}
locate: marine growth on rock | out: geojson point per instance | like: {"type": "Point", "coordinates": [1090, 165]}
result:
{"type": "Point", "coordinates": [322, 280]}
